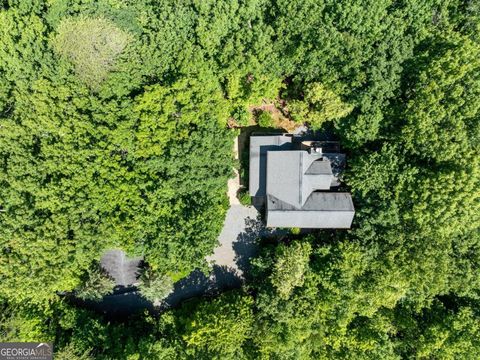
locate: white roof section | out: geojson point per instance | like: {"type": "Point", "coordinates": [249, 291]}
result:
{"type": "Point", "coordinates": [284, 176]}
{"type": "Point", "coordinates": [293, 175]}
{"type": "Point", "coordinates": [310, 219]}
{"type": "Point", "coordinates": [317, 174]}
{"type": "Point", "coordinates": [259, 146]}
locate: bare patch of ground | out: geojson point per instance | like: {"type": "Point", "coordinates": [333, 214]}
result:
{"type": "Point", "coordinates": [233, 184]}
{"type": "Point", "coordinates": [280, 120]}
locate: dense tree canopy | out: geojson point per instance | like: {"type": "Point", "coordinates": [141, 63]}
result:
{"type": "Point", "coordinates": [113, 133]}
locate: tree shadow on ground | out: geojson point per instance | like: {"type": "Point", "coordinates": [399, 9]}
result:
{"type": "Point", "coordinates": [223, 278]}
{"type": "Point", "coordinates": [118, 306]}
{"type": "Point", "coordinates": [197, 284]}
{"type": "Point", "coordinates": [247, 244]}
{"type": "Point", "coordinates": [127, 301]}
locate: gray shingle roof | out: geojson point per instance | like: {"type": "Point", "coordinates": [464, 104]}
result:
{"type": "Point", "coordinates": [326, 210]}
{"type": "Point", "coordinates": [295, 184]}
{"type": "Point", "coordinates": [259, 145]}
{"type": "Point", "coordinates": [311, 219]}
{"type": "Point", "coordinates": [319, 167]}
{"type": "Point", "coordinates": [317, 201]}
{"type": "Point", "coordinates": [284, 176]}
{"type": "Point", "coordinates": [293, 175]}
{"type": "Point", "coordinates": [122, 269]}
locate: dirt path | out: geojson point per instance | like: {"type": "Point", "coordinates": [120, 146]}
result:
{"type": "Point", "coordinates": [233, 184]}
{"type": "Point", "coordinates": [280, 121]}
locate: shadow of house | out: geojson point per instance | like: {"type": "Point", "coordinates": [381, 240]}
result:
{"type": "Point", "coordinates": [243, 149]}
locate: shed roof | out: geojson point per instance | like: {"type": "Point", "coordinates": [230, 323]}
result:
{"type": "Point", "coordinates": [122, 269]}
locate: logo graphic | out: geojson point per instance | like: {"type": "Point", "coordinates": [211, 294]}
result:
{"type": "Point", "coordinates": [26, 351]}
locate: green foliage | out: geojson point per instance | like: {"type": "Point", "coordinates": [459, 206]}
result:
{"type": "Point", "coordinates": [54, 204]}
{"type": "Point", "coordinates": [442, 114]}
{"type": "Point", "coordinates": [92, 45]}
{"type": "Point", "coordinates": [70, 353]}
{"type": "Point", "coordinates": [186, 143]}
{"type": "Point", "coordinates": [84, 334]}
{"type": "Point", "coordinates": [21, 323]}
{"type": "Point", "coordinates": [264, 119]}
{"type": "Point", "coordinates": [217, 329]}
{"type": "Point", "coordinates": [244, 197]}
{"type": "Point", "coordinates": [356, 49]}
{"type": "Point", "coordinates": [96, 285]}
{"type": "Point", "coordinates": [319, 105]}
{"type": "Point", "coordinates": [141, 163]}
{"type": "Point", "coordinates": [295, 231]}
{"type": "Point", "coordinates": [439, 331]}
{"type": "Point", "coordinates": [155, 287]}
{"type": "Point", "coordinates": [176, 276]}
{"type": "Point", "coordinates": [290, 267]}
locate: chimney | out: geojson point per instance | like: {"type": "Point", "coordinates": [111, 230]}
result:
{"type": "Point", "coordinates": [315, 150]}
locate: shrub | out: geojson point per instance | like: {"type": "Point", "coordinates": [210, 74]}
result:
{"type": "Point", "coordinates": [244, 197]}
{"type": "Point", "coordinates": [264, 119]}
{"type": "Point", "coordinates": [97, 285]}
{"type": "Point", "coordinates": [240, 116]}
{"type": "Point", "coordinates": [155, 287]}
{"type": "Point", "coordinates": [295, 231]}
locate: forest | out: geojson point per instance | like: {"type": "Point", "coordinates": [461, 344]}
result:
{"type": "Point", "coordinates": [114, 134]}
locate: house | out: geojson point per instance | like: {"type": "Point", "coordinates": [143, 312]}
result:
{"type": "Point", "coordinates": [297, 181]}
